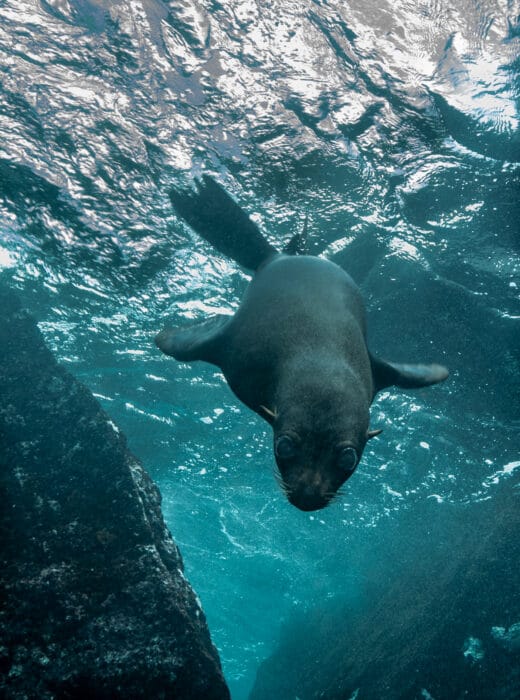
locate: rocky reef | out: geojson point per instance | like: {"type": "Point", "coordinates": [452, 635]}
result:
{"type": "Point", "coordinates": [94, 599]}
{"type": "Point", "coordinates": [440, 619]}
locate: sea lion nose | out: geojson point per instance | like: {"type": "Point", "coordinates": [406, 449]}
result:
{"type": "Point", "coordinates": [307, 501]}
{"type": "Point", "coordinates": [308, 494]}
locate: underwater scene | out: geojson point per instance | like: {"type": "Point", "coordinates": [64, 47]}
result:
{"type": "Point", "coordinates": [383, 137]}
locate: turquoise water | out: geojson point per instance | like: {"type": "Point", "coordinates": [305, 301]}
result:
{"type": "Point", "coordinates": [396, 127]}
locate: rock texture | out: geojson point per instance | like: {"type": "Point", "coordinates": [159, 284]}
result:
{"type": "Point", "coordinates": [94, 602]}
{"type": "Point", "coordinates": [442, 621]}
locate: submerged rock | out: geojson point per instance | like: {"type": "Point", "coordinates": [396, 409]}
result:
{"type": "Point", "coordinates": [94, 599]}
{"type": "Point", "coordinates": [427, 627]}
{"type": "Point", "coordinates": [510, 638]}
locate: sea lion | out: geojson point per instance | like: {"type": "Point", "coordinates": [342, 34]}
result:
{"type": "Point", "coordinates": [295, 351]}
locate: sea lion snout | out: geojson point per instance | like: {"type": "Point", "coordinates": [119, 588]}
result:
{"type": "Point", "coordinates": [307, 500]}
{"type": "Point", "coordinates": [309, 490]}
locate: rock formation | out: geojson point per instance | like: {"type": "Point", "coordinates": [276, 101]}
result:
{"type": "Point", "coordinates": [94, 599]}
{"type": "Point", "coordinates": [441, 621]}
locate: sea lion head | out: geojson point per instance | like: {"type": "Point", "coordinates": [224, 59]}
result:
{"type": "Point", "coordinates": [319, 439]}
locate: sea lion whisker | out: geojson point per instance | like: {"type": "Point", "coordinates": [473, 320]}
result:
{"type": "Point", "coordinates": [281, 483]}
{"type": "Point", "coordinates": [270, 415]}
{"type": "Point", "coordinates": [334, 495]}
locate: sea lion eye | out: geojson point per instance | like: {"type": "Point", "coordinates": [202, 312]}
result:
{"type": "Point", "coordinates": [284, 447]}
{"type": "Point", "coordinates": [347, 459]}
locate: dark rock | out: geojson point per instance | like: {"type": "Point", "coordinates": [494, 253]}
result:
{"type": "Point", "coordinates": [441, 622]}
{"type": "Point", "coordinates": [94, 599]}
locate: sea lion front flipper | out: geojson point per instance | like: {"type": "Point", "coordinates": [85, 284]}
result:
{"type": "Point", "coordinates": [406, 376]}
{"type": "Point", "coordinates": [200, 341]}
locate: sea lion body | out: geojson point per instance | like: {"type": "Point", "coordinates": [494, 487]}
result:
{"type": "Point", "coordinates": [297, 346]}
{"type": "Point", "coordinates": [295, 351]}
{"type": "Point", "coordinates": [296, 315]}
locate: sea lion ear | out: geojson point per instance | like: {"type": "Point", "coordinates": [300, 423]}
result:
{"type": "Point", "coordinates": [270, 416]}
{"type": "Point", "coordinates": [406, 376]}
{"type": "Point", "coordinates": [373, 433]}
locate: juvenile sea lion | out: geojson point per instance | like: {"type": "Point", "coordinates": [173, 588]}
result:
{"type": "Point", "coordinates": [295, 351]}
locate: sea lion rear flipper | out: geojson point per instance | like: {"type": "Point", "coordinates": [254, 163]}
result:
{"type": "Point", "coordinates": [298, 245]}
{"type": "Point", "coordinates": [200, 341]}
{"type": "Point", "coordinates": [405, 375]}
{"type": "Point", "coordinates": [215, 216]}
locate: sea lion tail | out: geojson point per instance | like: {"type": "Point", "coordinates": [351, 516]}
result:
{"type": "Point", "coordinates": [214, 215]}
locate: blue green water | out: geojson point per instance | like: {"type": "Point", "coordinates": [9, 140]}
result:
{"type": "Point", "coordinates": [396, 127]}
